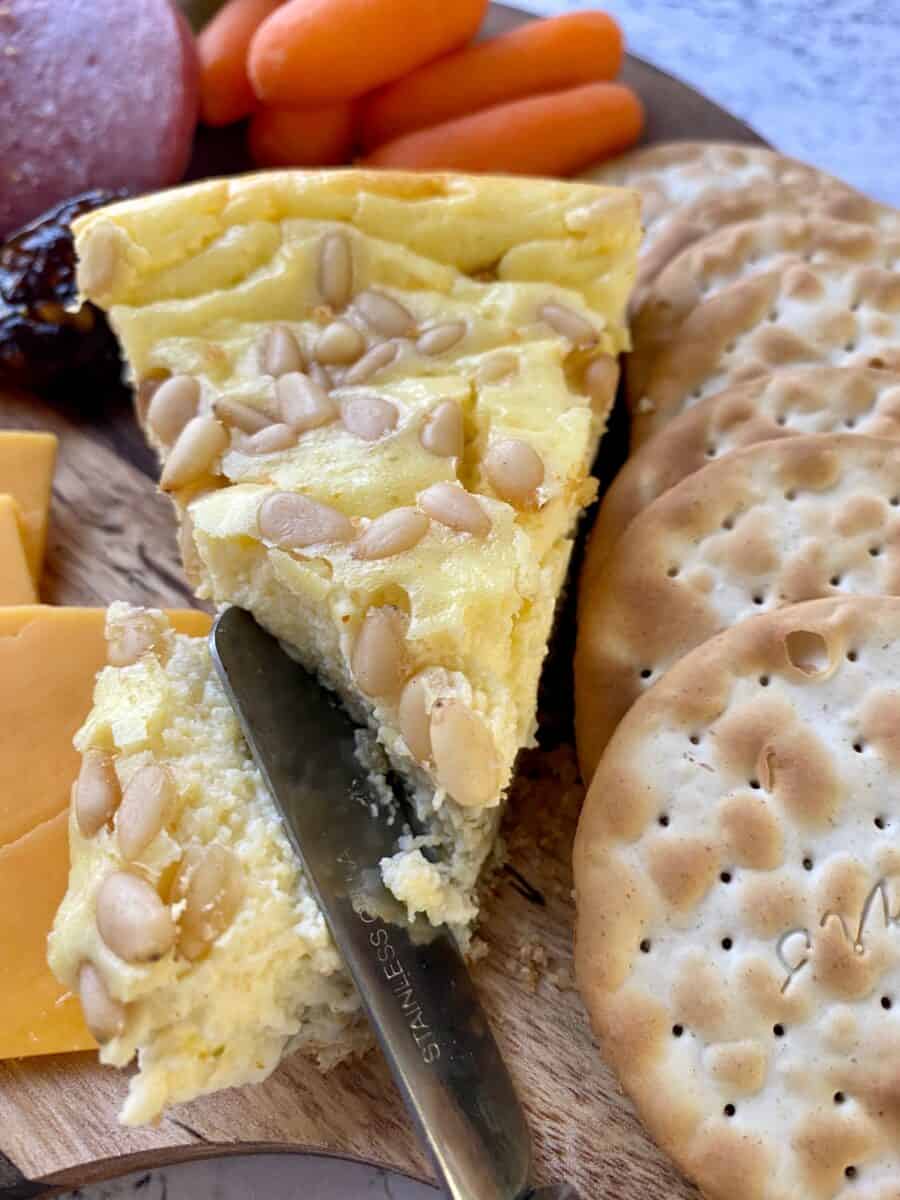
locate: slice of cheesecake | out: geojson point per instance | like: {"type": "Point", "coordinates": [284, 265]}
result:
{"type": "Point", "coordinates": [376, 398]}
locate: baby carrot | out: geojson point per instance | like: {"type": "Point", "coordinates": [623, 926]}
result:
{"type": "Point", "coordinates": [225, 91]}
{"type": "Point", "coordinates": [312, 137]}
{"type": "Point", "coordinates": [542, 56]}
{"type": "Point", "coordinates": [553, 134]}
{"type": "Point", "coordinates": [313, 52]}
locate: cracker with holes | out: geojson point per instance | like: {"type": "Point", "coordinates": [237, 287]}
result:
{"type": "Point", "coordinates": [691, 189]}
{"type": "Point", "coordinates": [761, 296]}
{"type": "Point", "coordinates": [377, 398]}
{"type": "Point", "coordinates": [774, 524]}
{"type": "Point", "coordinates": [737, 879]}
{"type": "Point", "coordinates": [797, 400]}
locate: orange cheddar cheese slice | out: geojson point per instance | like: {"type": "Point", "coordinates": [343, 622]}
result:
{"type": "Point", "coordinates": [49, 658]}
{"type": "Point", "coordinates": [26, 473]}
{"type": "Point", "coordinates": [16, 583]}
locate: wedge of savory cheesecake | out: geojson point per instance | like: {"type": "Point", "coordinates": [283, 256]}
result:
{"type": "Point", "coordinates": [376, 398]}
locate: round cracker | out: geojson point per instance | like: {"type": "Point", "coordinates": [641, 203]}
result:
{"type": "Point", "coordinates": [737, 878]}
{"type": "Point", "coordinates": [777, 523]}
{"type": "Point", "coordinates": [691, 189]}
{"type": "Point", "coordinates": [798, 400]}
{"type": "Point", "coordinates": [759, 296]}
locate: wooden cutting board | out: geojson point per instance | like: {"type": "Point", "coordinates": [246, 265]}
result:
{"type": "Point", "coordinates": [112, 538]}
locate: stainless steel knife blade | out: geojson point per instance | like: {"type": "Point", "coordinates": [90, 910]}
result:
{"type": "Point", "coordinates": [412, 978]}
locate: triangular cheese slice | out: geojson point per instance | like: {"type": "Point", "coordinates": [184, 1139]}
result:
{"type": "Point", "coordinates": [377, 398]}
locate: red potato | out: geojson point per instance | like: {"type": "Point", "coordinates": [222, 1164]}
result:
{"type": "Point", "coordinates": [96, 93]}
{"type": "Point", "coordinates": [542, 56]}
{"type": "Point", "coordinates": [222, 46]}
{"type": "Point", "coordinates": [315, 52]}
{"type": "Point", "coordinates": [290, 137]}
{"type": "Point", "coordinates": [555, 134]}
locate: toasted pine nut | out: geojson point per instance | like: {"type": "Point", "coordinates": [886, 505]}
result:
{"type": "Point", "coordinates": [104, 1016]}
{"type": "Point", "coordinates": [97, 792]}
{"type": "Point", "coordinates": [173, 404]}
{"type": "Point", "coordinates": [440, 338]}
{"type": "Point", "coordinates": [144, 393]}
{"type": "Point", "coordinates": [368, 416]}
{"type": "Point", "coordinates": [515, 471]}
{"type": "Point", "coordinates": [502, 365]}
{"type": "Point", "coordinates": [271, 439]}
{"type": "Point", "coordinates": [442, 433]}
{"type": "Point", "coordinates": [453, 506]}
{"type": "Point", "coordinates": [292, 521]}
{"type": "Point", "coordinates": [199, 444]}
{"type": "Point", "coordinates": [601, 377]}
{"type": "Point", "coordinates": [99, 259]}
{"type": "Point", "coordinates": [146, 804]}
{"type": "Point", "coordinates": [379, 658]}
{"type": "Point", "coordinates": [132, 920]}
{"type": "Point", "coordinates": [414, 719]}
{"type": "Point", "coordinates": [384, 314]}
{"type": "Point", "coordinates": [392, 533]}
{"type": "Point", "coordinates": [303, 404]}
{"type": "Point", "coordinates": [240, 416]}
{"type": "Point", "coordinates": [321, 376]}
{"type": "Point", "coordinates": [568, 324]}
{"type": "Point", "coordinates": [335, 275]}
{"type": "Point", "coordinates": [209, 882]}
{"type": "Point", "coordinates": [373, 361]}
{"type": "Point", "coordinates": [465, 757]}
{"type": "Point", "coordinates": [339, 343]}
{"type": "Point", "coordinates": [280, 351]}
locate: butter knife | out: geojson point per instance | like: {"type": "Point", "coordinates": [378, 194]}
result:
{"type": "Point", "coordinates": [411, 977]}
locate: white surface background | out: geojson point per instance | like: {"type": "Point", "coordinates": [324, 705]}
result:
{"type": "Point", "coordinates": [819, 79]}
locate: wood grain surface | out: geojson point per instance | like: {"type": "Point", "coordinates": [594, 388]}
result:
{"type": "Point", "coordinates": [112, 538]}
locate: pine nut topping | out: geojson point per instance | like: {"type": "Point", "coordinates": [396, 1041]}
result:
{"type": "Point", "coordinates": [568, 324]}
{"type": "Point", "coordinates": [99, 260]}
{"type": "Point", "coordinates": [209, 881]}
{"type": "Point", "coordinates": [292, 521]}
{"type": "Point", "coordinates": [132, 920]}
{"type": "Point", "coordinates": [335, 276]}
{"type": "Point", "coordinates": [303, 404]}
{"type": "Point", "coordinates": [271, 439]}
{"type": "Point", "coordinates": [515, 471]}
{"type": "Point", "coordinates": [146, 803]}
{"type": "Point", "coordinates": [499, 366]}
{"type": "Point", "coordinates": [442, 433]}
{"type": "Point", "coordinates": [465, 758]}
{"type": "Point", "coordinates": [104, 1016]}
{"type": "Point", "coordinates": [440, 338]}
{"type": "Point", "coordinates": [414, 719]}
{"type": "Point", "coordinates": [144, 393]}
{"type": "Point", "coordinates": [198, 446]}
{"type": "Point", "coordinates": [320, 376]}
{"type": "Point", "coordinates": [280, 351]}
{"type": "Point", "coordinates": [128, 641]}
{"type": "Point", "coordinates": [339, 343]}
{"type": "Point", "coordinates": [453, 506]}
{"type": "Point", "coordinates": [97, 793]}
{"type": "Point", "coordinates": [172, 405]}
{"type": "Point", "coordinates": [392, 533]}
{"type": "Point", "coordinates": [379, 658]}
{"type": "Point", "coordinates": [384, 314]}
{"type": "Point", "coordinates": [370, 364]}
{"type": "Point", "coordinates": [240, 416]}
{"type": "Point", "coordinates": [368, 416]}
{"type": "Point", "coordinates": [600, 381]}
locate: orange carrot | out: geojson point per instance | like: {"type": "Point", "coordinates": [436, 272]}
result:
{"type": "Point", "coordinates": [542, 56]}
{"type": "Point", "coordinates": [222, 45]}
{"type": "Point", "coordinates": [312, 137]}
{"type": "Point", "coordinates": [314, 52]}
{"type": "Point", "coordinates": [553, 134]}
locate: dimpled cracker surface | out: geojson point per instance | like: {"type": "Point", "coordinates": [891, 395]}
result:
{"type": "Point", "coordinates": [794, 401]}
{"type": "Point", "coordinates": [760, 296]}
{"type": "Point", "coordinates": [218, 1007]}
{"type": "Point", "coordinates": [774, 524]}
{"type": "Point", "coordinates": [690, 189]}
{"type": "Point", "coordinates": [400, 382]}
{"type": "Point", "coordinates": [738, 892]}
